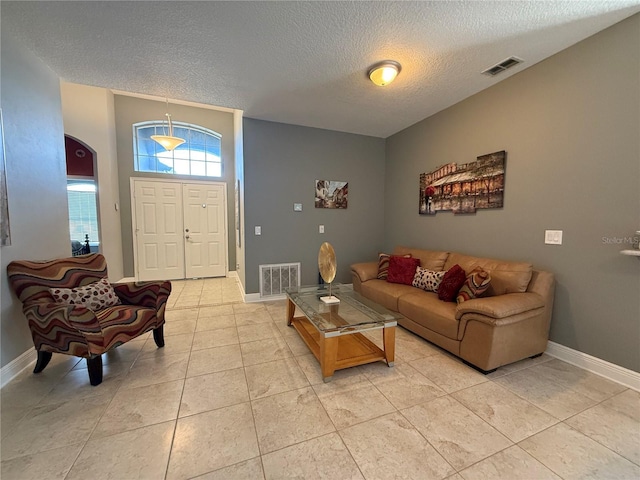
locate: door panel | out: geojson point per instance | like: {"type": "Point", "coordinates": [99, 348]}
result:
{"type": "Point", "coordinates": [205, 249]}
{"type": "Point", "coordinates": [158, 233]}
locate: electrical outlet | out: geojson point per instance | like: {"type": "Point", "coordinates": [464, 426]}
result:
{"type": "Point", "coordinates": [553, 237]}
{"type": "Point", "coordinates": [320, 228]}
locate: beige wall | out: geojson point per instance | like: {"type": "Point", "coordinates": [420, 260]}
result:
{"type": "Point", "coordinates": [36, 179]}
{"type": "Point", "coordinates": [88, 114]}
{"type": "Point", "coordinates": [571, 128]}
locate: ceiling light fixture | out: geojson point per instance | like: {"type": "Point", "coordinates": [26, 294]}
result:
{"type": "Point", "coordinates": [384, 73]}
{"type": "Point", "coordinates": [169, 142]}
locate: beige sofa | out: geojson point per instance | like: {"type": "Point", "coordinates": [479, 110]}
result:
{"type": "Point", "coordinates": [509, 323]}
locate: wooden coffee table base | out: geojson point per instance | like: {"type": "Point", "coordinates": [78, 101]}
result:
{"type": "Point", "coordinates": [342, 351]}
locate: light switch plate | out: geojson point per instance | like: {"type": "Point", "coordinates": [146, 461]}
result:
{"type": "Point", "coordinates": [297, 207]}
{"type": "Point", "coordinates": [320, 228]}
{"type": "Point", "coordinates": [258, 230]}
{"type": "Point", "coordinates": [553, 237]}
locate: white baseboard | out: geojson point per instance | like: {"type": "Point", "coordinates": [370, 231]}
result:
{"type": "Point", "coordinates": [613, 372]}
{"type": "Point", "coordinates": [17, 365]}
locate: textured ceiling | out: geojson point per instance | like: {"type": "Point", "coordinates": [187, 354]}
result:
{"type": "Point", "coordinates": [303, 63]}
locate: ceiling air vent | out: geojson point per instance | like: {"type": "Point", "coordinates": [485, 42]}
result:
{"type": "Point", "coordinates": [502, 66]}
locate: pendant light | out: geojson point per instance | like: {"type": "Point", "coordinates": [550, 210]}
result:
{"type": "Point", "coordinates": [169, 142]}
{"type": "Point", "coordinates": [384, 73]}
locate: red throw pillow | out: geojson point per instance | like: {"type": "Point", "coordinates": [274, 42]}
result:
{"type": "Point", "coordinates": [402, 269]}
{"type": "Point", "coordinates": [451, 283]}
{"type": "Point", "coordinates": [383, 264]}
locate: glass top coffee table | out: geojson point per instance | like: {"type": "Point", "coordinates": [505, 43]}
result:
{"type": "Point", "coordinates": [333, 332]}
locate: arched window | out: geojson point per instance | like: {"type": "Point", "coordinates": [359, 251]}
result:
{"type": "Point", "coordinates": [199, 155]}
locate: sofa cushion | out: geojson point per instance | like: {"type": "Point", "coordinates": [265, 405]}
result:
{"type": "Point", "coordinates": [433, 260]}
{"type": "Point", "coordinates": [95, 296]}
{"type": "Point", "coordinates": [383, 265]}
{"type": "Point", "coordinates": [427, 310]}
{"type": "Point", "coordinates": [402, 269]}
{"type": "Point", "coordinates": [451, 283]}
{"type": "Point", "coordinates": [427, 280]}
{"type": "Point", "coordinates": [506, 277]}
{"type": "Point", "coordinates": [476, 283]}
{"type": "Point", "coordinates": [385, 293]}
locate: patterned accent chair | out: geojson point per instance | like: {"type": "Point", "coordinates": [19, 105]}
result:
{"type": "Point", "coordinates": [74, 329]}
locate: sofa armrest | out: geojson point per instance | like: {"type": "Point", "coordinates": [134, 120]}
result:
{"type": "Point", "coordinates": [365, 271]}
{"type": "Point", "coordinates": [145, 294]}
{"type": "Point", "coordinates": [73, 318]}
{"type": "Point", "coordinates": [501, 306]}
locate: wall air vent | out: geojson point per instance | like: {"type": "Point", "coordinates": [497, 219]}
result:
{"type": "Point", "coordinates": [502, 66]}
{"type": "Point", "coordinates": [275, 278]}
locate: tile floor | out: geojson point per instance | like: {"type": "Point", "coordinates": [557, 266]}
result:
{"type": "Point", "coordinates": [235, 394]}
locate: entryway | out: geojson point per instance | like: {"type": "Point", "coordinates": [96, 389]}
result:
{"type": "Point", "coordinates": [179, 229]}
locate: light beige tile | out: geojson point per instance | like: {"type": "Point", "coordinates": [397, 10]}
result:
{"type": "Point", "coordinates": [247, 470]}
{"type": "Point", "coordinates": [52, 464]}
{"type": "Point", "coordinates": [51, 426]}
{"type": "Point", "coordinates": [27, 390]}
{"type": "Point", "coordinates": [522, 364]}
{"type": "Point", "coordinates": [253, 318]}
{"type": "Point", "coordinates": [457, 433]}
{"type": "Point", "coordinates": [358, 403]}
{"type": "Point", "coordinates": [288, 418]}
{"type": "Point", "coordinates": [76, 385]}
{"type": "Point", "coordinates": [324, 457]}
{"type": "Point", "coordinates": [559, 401]}
{"type": "Point", "coordinates": [588, 384]}
{"type": "Point", "coordinates": [270, 378]}
{"type": "Point", "coordinates": [572, 455]}
{"type": "Point", "coordinates": [141, 453]}
{"type": "Point", "coordinates": [177, 328]}
{"type": "Point", "coordinates": [212, 440]}
{"type": "Point", "coordinates": [389, 447]}
{"type": "Point", "coordinates": [248, 308]}
{"type": "Point", "coordinates": [139, 407]}
{"type": "Point", "coordinates": [214, 323]}
{"type": "Point", "coordinates": [514, 417]}
{"type": "Point", "coordinates": [172, 344]}
{"type": "Point", "coordinates": [174, 316]}
{"type": "Point", "coordinates": [215, 311]}
{"type": "Point", "coordinates": [213, 360]}
{"type": "Point", "coordinates": [410, 349]}
{"type": "Point", "coordinates": [125, 353]}
{"type": "Point", "coordinates": [296, 344]}
{"type": "Point", "coordinates": [157, 369]}
{"type": "Point", "coordinates": [215, 338]}
{"type": "Point", "coordinates": [212, 391]}
{"type": "Point", "coordinates": [510, 463]}
{"type": "Point", "coordinates": [10, 417]}
{"type": "Point", "coordinates": [266, 350]}
{"type": "Point", "coordinates": [403, 385]}
{"type": "Point", "coordinates": [252, 333]}
{"type": "Point", "coordinates": [615, 423]}
{"type": "Point", "coordinates": [448, 373]}
{"type": "Point", "coordinates": [311, 368]}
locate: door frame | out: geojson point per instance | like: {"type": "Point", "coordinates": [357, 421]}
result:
{"type": "Point", "coordinates": [132, 181]}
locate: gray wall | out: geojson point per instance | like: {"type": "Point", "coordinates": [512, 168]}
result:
{"type": "Point", "coordinates": [570, 126]}
{"type": "Point", "coordinates": [36, 178]}
{"type": "Point", "coordinates": [282, 163]}
{"type": "Point", "coordinates": [130, 110]}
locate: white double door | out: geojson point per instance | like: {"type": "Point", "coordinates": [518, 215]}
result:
{"type": "Point", "coordinates": [180, 229]}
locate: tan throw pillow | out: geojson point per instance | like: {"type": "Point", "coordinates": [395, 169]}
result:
{"type": "Point", "coordinates": [427, 280]}
{"type": "Point", "coordinates": [94, 296]}
{"type": "Point", "coordinates": [475, 285]}
{"type": "Point", "coordinates": [383, 265]}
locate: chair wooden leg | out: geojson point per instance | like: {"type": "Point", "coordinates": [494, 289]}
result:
{"type": "Point", "coordinates": [43, 361]}
{"type": "Point", "coordinates": [94, 365]}
{"type": "Point", "coordinates": [158, 336]}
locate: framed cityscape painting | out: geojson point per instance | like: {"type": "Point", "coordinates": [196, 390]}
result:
{"type": "Point", "coordinates": [464, 188]}
{"type": "Point", "coordinates": [331, 194]}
